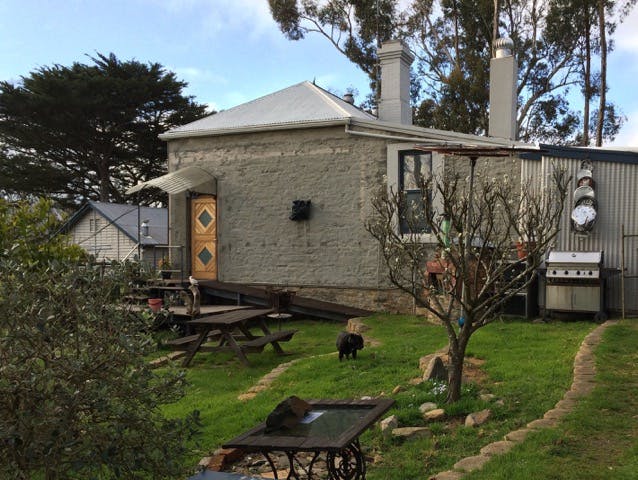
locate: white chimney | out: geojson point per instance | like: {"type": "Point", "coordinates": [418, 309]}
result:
{"type": "Point", "coordinates": [503, 79]}
{"type": "Point", "coordinates": [395, 60]}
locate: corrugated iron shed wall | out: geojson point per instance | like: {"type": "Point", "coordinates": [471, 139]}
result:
{"type": "Point", "coordinates": [616, 191]}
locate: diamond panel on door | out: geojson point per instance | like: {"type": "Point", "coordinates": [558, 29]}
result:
{"type": "Point", "coordinates": [204, 237]}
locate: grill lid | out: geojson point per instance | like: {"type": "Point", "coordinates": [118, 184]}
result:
{"type": "Point", "coordinates": [575, 257]}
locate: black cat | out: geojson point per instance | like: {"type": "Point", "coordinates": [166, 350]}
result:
{"type": "Point", "coordinates": [349, 343]}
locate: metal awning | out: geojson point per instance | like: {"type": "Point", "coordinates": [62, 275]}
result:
{"type": "Point", "coordinates": [188, 178]}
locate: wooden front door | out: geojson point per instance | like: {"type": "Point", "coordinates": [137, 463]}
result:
{"type": "Point", "coordinates": [204, 237]}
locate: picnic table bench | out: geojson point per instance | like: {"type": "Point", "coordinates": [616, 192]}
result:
{"type": "Point", "coordinates": [223, 326]}
{"type": "Point", "coordinates": [179, 343]}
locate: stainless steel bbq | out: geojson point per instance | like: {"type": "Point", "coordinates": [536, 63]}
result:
{"type": "Point", "coordinates": [575, 282]}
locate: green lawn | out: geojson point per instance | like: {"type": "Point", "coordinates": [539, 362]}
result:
{"type": "Point", "coordinates": [528, 366]}
{"type": "Point", "coordinates": [599, 439]}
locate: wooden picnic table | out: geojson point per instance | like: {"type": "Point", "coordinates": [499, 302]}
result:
{"type": "Point", "coordinates": [223, 325]}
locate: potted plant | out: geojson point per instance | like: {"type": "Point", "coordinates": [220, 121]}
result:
{"type": "Point", "coordinates": [523, 247]}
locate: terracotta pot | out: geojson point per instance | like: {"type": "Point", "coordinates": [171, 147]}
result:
{"type": "Point", "coordinates": [523, 247]}
{"type": "Point", "coordinates": [155, 304]}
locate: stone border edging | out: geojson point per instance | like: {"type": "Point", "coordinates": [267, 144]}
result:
{"type": "Point", "coordinates": [582, 385]}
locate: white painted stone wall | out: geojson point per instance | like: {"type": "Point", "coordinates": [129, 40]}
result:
{"type": "Point", "coordinates": [258, 177]}
{"type": "Point", "coordinates": [331, 255]}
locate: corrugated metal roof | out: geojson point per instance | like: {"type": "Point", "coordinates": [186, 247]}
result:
{"type": "Point", "coordinates": [606, 154]}
{"type": "Point", "coordinates": [302, 103]}
{"type": "Point", "coordinates": [187, 178]}
{"type": "Point", "coordinates": [125, 216]}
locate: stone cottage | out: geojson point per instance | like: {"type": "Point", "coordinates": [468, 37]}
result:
{"type": "Point", "coordinates": [278, 189]}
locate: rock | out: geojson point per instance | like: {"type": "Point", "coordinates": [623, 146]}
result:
{"type": "Point", "coordinates": [487, 397]}
{"type": "Point", "coordinates": [280, 474]}
{"type": "Point", "coordinates": [435, 370]}
{"type": "Point", "coordinates": [356, 325]}
{"type": "Point", "coordinates": [497, 448]}
{"type": "Point", "coordinates": [246, 396]}
{"type": "Point", "coordinates": [425, 360]}
{"type": "Point", "coordinates": [388, 424]}
{"type": "Point", "coordinates": [542, 423]}
{"type": "Point", "coordinates": [396, 389]}
{"type": "Point", "coordinates": [556, 413]}
{"type": "Point", "coordinates": [470, 464]}
{"type": "Point", "coordinates": [447, 475]}
{"type": "Point", "coordinates": [517, 435]}
{"type": "Point", "coordinates": [411, 432]}
{"type": "Point", "coordinates": [427, 406]}
{"type": "Point", "coordinates": [435, 414]}
{"type": "Point", "coordinates": [477, 418]}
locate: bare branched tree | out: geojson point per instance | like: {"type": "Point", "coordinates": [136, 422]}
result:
{"type": "Point", "coordinates": [465, 267]}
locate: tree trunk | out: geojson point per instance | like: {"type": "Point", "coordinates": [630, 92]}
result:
{"type": "Point", "coordinates": [456, 355]}
{"type": "Point", "coordinates": [603, 74]}
{"type": "Point", "coordinates": [587, 75]}
{"type": "Point", "coordinates": [495, 26]}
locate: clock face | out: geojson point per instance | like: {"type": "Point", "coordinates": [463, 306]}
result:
{"type": "Point", "coordinates": [583, 217]}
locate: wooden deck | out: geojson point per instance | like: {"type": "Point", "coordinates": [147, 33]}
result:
{"type": "Point", "coordinates": [180, 310]}
{"type": "Point", "coordinates": [247, 295]}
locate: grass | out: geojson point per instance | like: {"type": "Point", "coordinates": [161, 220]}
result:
{"type": "Point", "coordinates": [528, 366]}
{"type": "Point", "coordinates": [599, 439]}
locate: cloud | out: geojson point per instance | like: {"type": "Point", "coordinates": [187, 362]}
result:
{"type": "Point", "coordinates": [628, 136]}
{"type": "Point", "coordinates": [626, 35]}
{"type": "Point", "coordinates": [220, 17]}
{"type": "Point", "coordinates": [194, 74]}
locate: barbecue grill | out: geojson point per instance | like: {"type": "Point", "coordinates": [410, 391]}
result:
{"type": "Point", "coordinates": [575, 282]}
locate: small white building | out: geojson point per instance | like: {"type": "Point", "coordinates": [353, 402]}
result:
{"type": "Point", "coordinates": [110, 231]}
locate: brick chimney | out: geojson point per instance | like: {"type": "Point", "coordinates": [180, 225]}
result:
{"type": "Point", "coordinates": [395, 60]}
{"type": "Point", "coordinates": [503, 79]}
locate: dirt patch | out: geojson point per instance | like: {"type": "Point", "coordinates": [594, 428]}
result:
{"type": "Point", "coordinates": [472, 369]}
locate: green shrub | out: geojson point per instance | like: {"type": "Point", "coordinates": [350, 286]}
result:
{"type": "Point", "coordinates": [28, 234]}
{"type": "Point", "coordinates": [77, 397]}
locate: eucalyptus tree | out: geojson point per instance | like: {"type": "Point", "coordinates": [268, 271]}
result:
{"type": "Point", "coordinates": [88, 131]}
{"type": "Point", "coordinates": [452, 41]}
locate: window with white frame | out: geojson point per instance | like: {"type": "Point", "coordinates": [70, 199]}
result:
{"type": "Point", "coordinates": [403, 162]}
{"type": "Point", "coordinates": [94, 225]}
{"type": "Point", "coordinates": [413, 164]}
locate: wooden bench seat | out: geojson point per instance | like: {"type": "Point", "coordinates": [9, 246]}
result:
{"type": "Point", "coordinates": [182, 342]}
{"type": "Point", "coordinates": [258, 344]}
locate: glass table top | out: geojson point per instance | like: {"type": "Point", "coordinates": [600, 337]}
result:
{"type": "Point", "coordinates": [327, 422]}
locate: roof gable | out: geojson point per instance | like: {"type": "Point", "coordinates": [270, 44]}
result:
{"type": "Point", "coordinates": [303, 103]}
{"type": "Point", "coordinates": [125, 218]}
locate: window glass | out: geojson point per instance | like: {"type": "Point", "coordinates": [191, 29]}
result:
{"type": "Point", "coordinates": [412, 165]}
